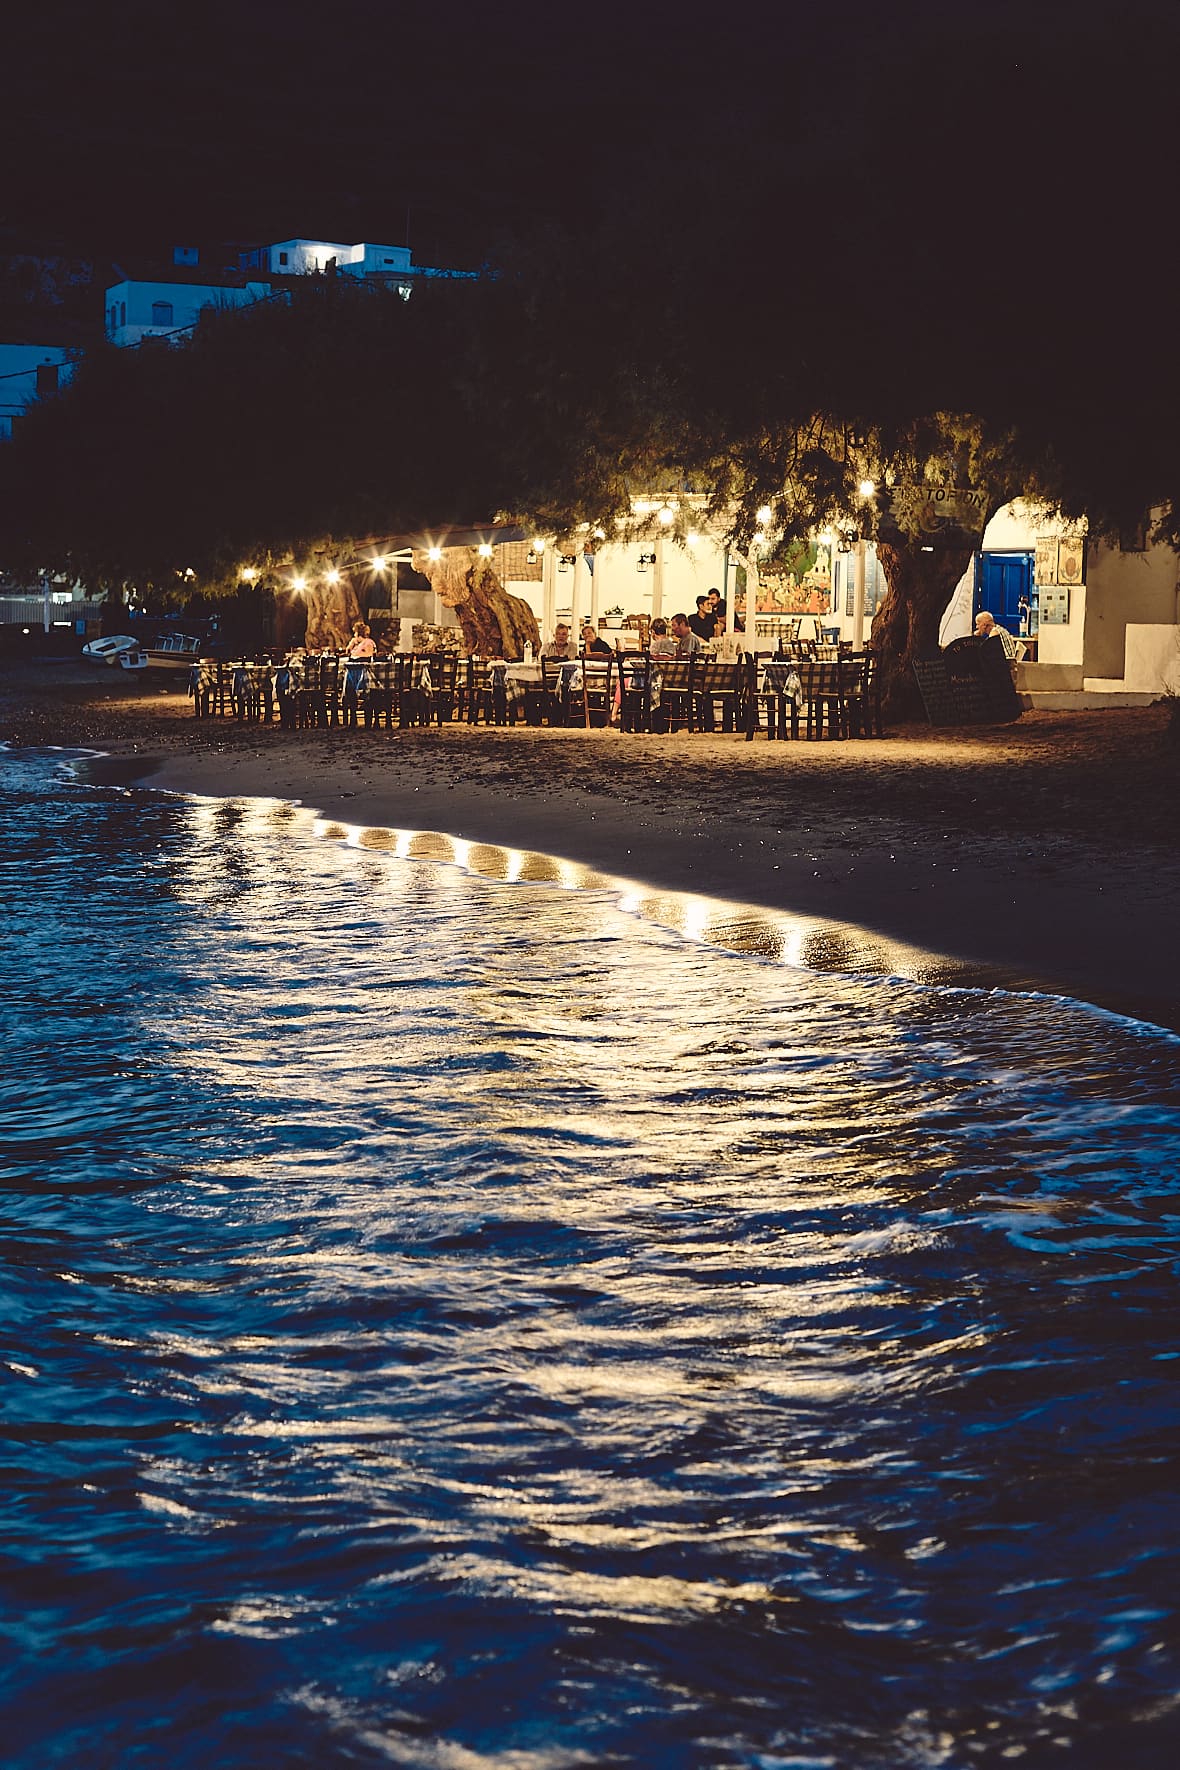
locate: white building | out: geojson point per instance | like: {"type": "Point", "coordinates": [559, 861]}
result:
{"type": "Point", "coordinates": [136, 309]}
{"type": "Point", "coordinates": [297, 258]}
{"type": "Point", "coordinates": [29, 372]}
{"type": "Point", "coordinates": [1102, 623]}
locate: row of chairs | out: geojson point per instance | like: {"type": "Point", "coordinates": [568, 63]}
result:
{"type": "Point", "coordinates": [795, 697]}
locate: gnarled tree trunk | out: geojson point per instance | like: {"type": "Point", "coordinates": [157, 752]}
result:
{"type": "Point", "coordinates": [495, 623]}
{"type": "Point", "coordinates": [921, 576]}
{"type": "Point", "coordinates": [331, 610]}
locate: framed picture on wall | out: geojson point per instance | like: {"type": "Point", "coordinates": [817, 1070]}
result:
{"type": "Point", "coordinates": [1069, 559]}
{"type": "Point", "coordinates": [1045, 560]}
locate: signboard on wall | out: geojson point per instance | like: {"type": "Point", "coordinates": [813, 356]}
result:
{"type": "Point", "coordinates": [1054, 607]}
{"type": "Point", "coordinates": [1070, 559]}
{"type": "Point", "coordinates": [1045, 562]}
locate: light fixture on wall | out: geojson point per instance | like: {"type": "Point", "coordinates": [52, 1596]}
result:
{"type": "Point", "coordinates": [644, 560]}
{"type": "Point", "coordinates": [565, 560]}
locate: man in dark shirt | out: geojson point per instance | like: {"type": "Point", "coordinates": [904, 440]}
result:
{"type": "Point", "coordinates": [704, 622]}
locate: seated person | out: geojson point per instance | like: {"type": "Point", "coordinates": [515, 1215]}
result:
{"type": "Point", "coordinates": [362, 644]}
{"type": "Point", "coordinates": [719, 609]}
{"type": "Point", "coordinates": [561, 645]}
{"type": "Point", "coordinates": [987, 627]}
{"type": "Point", "coordinates": [593, 644]}
{"type": "Point", "coordinates": [704, 622]}
{"type": "Point", "coordinates": [661, 645]}
{"type": "Point", "coordinates": [688, 643]}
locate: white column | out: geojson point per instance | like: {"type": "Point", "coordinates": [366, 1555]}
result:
{"type": "Point", "coordinates": [858, 596]}
{"type": "Point", "coordinates": [593, 562]}
{"type": "Point", "coordinates": [657, 581]}
{"type": "Point", "coordinates": [548, 593]}
{"type": "Point", "coordinates": [751, 565]}
{"type": "Point", "coordinates": [45, 603]}
{"type": "Point", "coordinates": [582, 591]}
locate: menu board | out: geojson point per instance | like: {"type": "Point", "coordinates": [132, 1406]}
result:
{"type": "Point", "coordinates": [1045, 559]}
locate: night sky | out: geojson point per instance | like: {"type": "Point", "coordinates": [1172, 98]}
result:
{"type": "Point", "coordinates": [134, 127]}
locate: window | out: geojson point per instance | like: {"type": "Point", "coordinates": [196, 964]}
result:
{"type": "Point", "coordinates": [114, 316]}
{"type": "Point", "coordinates": [122, 313]}
{"type": "Point", "coordinates": [161, 313]}
{"type": "Point", "coordinates": [284, 257]}
{"type": "Point", "coordinates": [46, 378]}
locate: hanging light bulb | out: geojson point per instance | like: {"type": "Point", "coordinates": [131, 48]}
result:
{"type": "Point", "coordinates": [378, 562]}
{"type": "Point", "coordinates": [298, 582]}
{"type": "Point", "coordinates": [434, 553]}
{"type": "Point", "coordinates": [332, 576]}
{"type": "Point", "coordinates": [249, 574]}
{"type": "Point", "coordinates": [485, 550]}
{"type": "Point", "coordinates": [867, 488]}
{"type": "Point", "coordinates": [667, 516]}
{"type": "Point", "coordinates": [764, 513]}
{"type": "Point", "coordinates": [537, 544]}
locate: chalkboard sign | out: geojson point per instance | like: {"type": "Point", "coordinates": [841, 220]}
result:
{"type": "Point", "coordinates": [970, 683]}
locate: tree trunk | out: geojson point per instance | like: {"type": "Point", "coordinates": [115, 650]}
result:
{"type": "Point", "coordinates": [921, 580]}
{"type": "Point", "coordinates": [495, 624]}
{"type": "Point", "coordinates": [331, 610]}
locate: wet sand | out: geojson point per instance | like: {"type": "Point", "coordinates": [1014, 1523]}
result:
{"type": "Point", "coordinates": [1042, 854]}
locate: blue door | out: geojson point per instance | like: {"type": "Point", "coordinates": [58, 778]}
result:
{"type": "Point", "coordinates": [1003, 582]}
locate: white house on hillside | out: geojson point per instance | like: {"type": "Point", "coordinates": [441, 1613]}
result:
{"type": "Point", "coordinates": [137, 310]}
{"type": "Point", "coordinates": [28, 372]}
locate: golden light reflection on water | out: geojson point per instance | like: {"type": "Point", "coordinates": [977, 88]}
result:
{"type": "Point", "coordinates": [804, 942]}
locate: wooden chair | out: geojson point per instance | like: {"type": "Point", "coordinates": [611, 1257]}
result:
{"type": "Point", "coordinates": [716, 684]}
{"type": "Point", "coordinates": [635, 690]}
{"type": "Point", "coordinates": [483, 693]}
{"type": "Point", "coordinates": [862, 695]}
{"type": "Point", "coordinates": [318, 687]}
{"type": "Point", "coordinates": [675, 694]}
{"type": "Point", "coordinates": [823, 697]}
{"type": "Point", "coordinates": [555, 690]}
{"type": "Point", "coordinates": [779, 687]}
{"type": "Point", "coordinates": [598, 689]}
{"type": "Point", "coordinates": [384, 691]}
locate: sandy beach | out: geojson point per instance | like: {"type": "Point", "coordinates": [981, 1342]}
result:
{"type": "Point", "coordinates": [1040, 855]}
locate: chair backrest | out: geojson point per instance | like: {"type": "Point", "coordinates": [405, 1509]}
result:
{"type": "Point", "coordinates": [821, 678]}
{"type": "Point", "coordinates": [444, 670]}
{"type": "Point", "coordinates": [551, 672]}
{"type": "Point", "coordinates": [711, 676]}
{"type": "Point", "coordinates": [675, 674]}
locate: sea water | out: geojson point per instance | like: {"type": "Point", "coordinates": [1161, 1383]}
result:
{"type": "Point", "coordinates": [461, 1321]}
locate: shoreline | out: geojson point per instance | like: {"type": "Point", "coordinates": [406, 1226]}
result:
{"type": "Point", "coordinates": [1039, 856]}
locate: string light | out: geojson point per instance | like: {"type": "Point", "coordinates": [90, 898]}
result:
{"type": "Point", "coordinates": [485, 550]}
{"type": "Point", "coordinates": [764, 513]}
{"type": "Point", "coordinates": [434, 553]}
{"type": "Point", "coordinates": [249, 574]}
{"type": "Point", "coordinates": [299, 583]}
{"type": "Point", "coordinates": [867, 488]}
{"type": "Point", "coordinates": [332, 577]}
{"type": "Point", "coordinates": [667, 516]}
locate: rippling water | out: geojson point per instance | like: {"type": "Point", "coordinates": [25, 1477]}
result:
{"type": "Point", "coordinates": [463, 1323]}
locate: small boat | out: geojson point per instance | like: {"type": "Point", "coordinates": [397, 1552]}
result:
{"type": "Point", "coordinates": [174, 651]}
{"type": "Point", "coordinates": [116, 648]}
